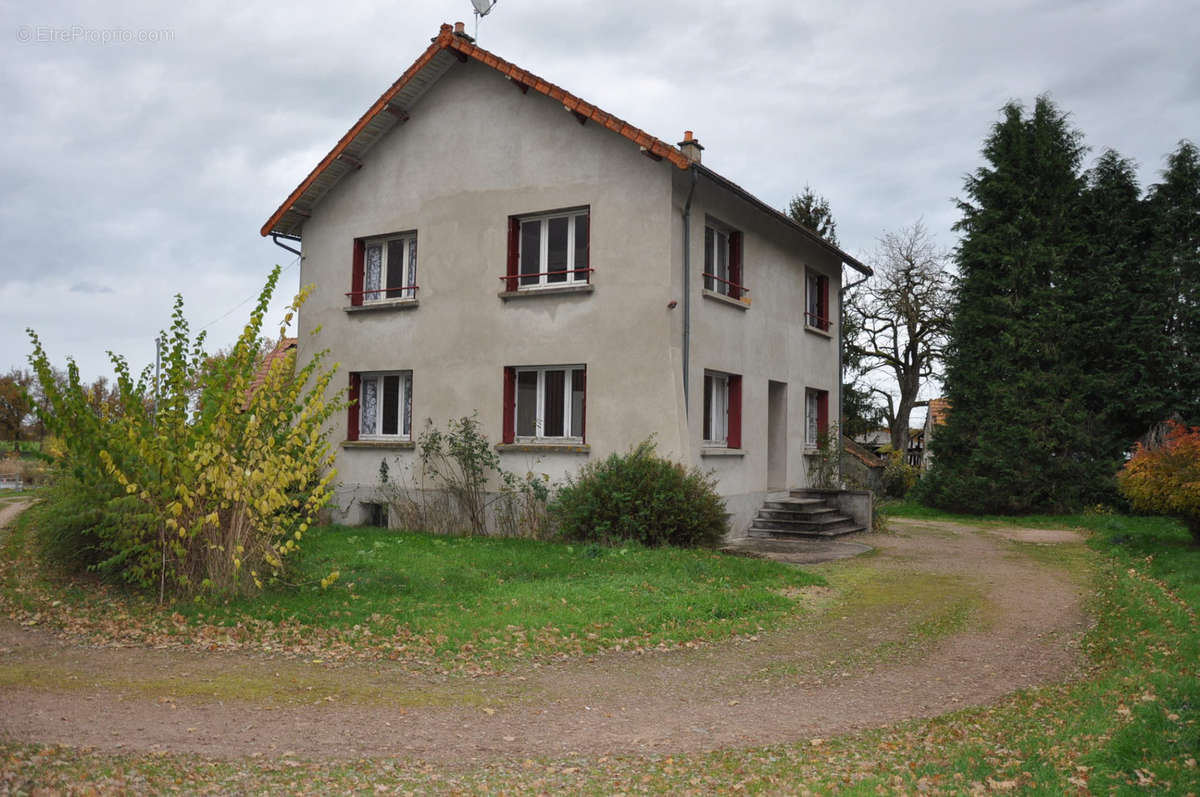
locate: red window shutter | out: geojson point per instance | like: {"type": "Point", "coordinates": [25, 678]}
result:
{"type": "Point", "coordinates": [356, 274]}
{"type": "Point", "coordinates": [824, 302]}
{"type": "Point", "coordinates": [583, 420]}
{"type": "Point", "coordinates": [735, 265]}
{"type": "Point", "coordinates": [514, 251]}
{"type": "Point", "coordinates": [510, 405]}
{"type": "Point", "coordinates": [734, 432]}
{"type": "Point", "coordinates": [823, 413]}
{"type": "Point", "coordinates": [352, 410]}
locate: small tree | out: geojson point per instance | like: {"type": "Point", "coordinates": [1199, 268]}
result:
{"type": "Point", "coordinates": [1164, 476]}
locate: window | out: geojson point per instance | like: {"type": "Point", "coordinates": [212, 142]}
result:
{"type": "Point", "coordinates": [722, 409]}
{"type": "Point", "coordinates": [817, 301]}
{"type": "Point", "coordinates": [384, 268]}
{"type": "Point", "coordinates": [545, 403]}
{"type": "Point", "coordinates": [383, 410]}
{"type": "Point", "coordinates": [723, 260]}
{"type": "Point", "coordinates": [816, 416]}
{"type": "Point", "coordinates": [547, 250]}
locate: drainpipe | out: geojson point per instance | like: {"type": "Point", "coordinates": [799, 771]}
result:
{"type": "Point", "coordinates": [275, 236]}
{"type": "Point", "coordinates": [687, 289]}
{"type": "Point", "coordinates": [841, 379]}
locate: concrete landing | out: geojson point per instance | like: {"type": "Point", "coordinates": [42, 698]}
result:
{"type": "Point", "coordinates": [796, 552]}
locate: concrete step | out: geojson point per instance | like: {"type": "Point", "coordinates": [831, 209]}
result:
{"type": "Point", "coordinates": [815, 524]}
{"type": "Point", "coordinates": [815, 513]}
{"type": "Point", "coordinates": [825, 533]}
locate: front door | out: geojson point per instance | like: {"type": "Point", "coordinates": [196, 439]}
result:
{"type": "Point", "coordinates": [777, 435]}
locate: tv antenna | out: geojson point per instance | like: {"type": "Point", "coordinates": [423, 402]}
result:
{"type": "Point", "coordinates": [482, 9]}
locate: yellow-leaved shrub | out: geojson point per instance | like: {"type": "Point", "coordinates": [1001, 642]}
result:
{"type": "Point", "coordinates": [206, 480]}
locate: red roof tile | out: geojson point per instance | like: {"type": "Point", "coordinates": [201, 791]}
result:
{"type": "Point", "coordinates": [447, 40]}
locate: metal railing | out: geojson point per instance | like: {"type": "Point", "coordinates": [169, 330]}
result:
{"type": "Point", "coordinates": [376, 294]}
{"type": "Point", "coordinates": [732, 288]}
{"type": "Point", "coordinates": [814, 320]}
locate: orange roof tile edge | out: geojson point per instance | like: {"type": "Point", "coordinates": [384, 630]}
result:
{"type": "Point", "coordinates": [446, 39]}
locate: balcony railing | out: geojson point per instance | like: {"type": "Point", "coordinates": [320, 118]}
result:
{"type": "Point", "coordinates": [731, 289]}
{"type": "Point", "coordinates": [814, 320]}
{"type": "Point", "coordinates": [379, 294]}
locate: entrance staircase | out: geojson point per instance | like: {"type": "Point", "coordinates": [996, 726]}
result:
{"type": "Point", "coordinates": [802, 514]}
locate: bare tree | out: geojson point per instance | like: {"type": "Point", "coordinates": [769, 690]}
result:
{"type": "Point", "coordinates": [903, 314]}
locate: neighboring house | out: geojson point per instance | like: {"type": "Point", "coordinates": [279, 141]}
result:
{"type": "Point", "coordinates": [939, 411]}
{"type": "Point", "coordinates": [861, 468]}
{"type": "Point", "coordinates": [483, 240]}
{"type": "Point", "coordinates": [875, 440]}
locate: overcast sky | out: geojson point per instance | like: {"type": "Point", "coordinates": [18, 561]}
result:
{"type": "Point", "coordinates": [144, 144]}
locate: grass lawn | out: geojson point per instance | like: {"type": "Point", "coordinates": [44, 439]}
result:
{"type": "Point", "coordinates": [442, 602]}
{"type": "Point", "coordinates": [1129, 725]}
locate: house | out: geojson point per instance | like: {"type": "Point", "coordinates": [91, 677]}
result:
{"type": "Point", "coordinates": [482, 240]}
{"type": "Point", "coordinates": [939, 411]}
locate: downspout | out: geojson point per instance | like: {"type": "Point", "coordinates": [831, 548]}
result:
{"type": "Point", "coordinates": [841, 377]}
{"type": "Point", "coordinates": [687, 289]}
{"type": "Point", "coordinates": [275, 236]}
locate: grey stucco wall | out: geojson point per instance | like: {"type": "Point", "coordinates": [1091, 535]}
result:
{"type": "Point", "coordinates": [477, 151]}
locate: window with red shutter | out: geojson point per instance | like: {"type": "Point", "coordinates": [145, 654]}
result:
{"type": "Point", "coordinates": [547, 250]}
{"type": "Point", "coordinates": [816, 416]}
{"type": "Point", "coordinates": [723, 271]}
{"type": "Point", "coordinates": [509, 407]}
{"type": "Point", "coordinates": [734, 437]}
{"type": "Point", "coordinates": [352, 409]}
{"type": "Point", "coordinates": [356, 274]}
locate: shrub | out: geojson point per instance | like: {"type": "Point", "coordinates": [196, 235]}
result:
{"type": "Point", "coordinates": [446, 490]}
{"type": "Point", "coordinates": [641, 497]}
{"type": "Point", "coordinates": [898, 476]}
{"type": "Point", "coordinates": [197, 480]}
{"type": "Point", "coordinates": [1163, 476]}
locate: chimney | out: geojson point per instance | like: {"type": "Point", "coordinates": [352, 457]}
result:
{"type": "Point", "coordinates": [460, 30]}
{"type": "Point", "coordinates": [690, 147]}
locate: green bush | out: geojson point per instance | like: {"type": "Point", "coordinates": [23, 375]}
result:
{"type": "Point", "coordinates": [642, 497]}
{"type": "Point", "coordinates": [898, 476]}
{"type": "Point", "coordinates": [196, 479]}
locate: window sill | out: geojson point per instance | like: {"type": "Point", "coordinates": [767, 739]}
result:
{"type": "Point", "coordinates": [741, 304]}
{"type": "Point", "coordinates": [716, 451]}
{"type": "Point", "coordinates": [556, 290]}
{"type": "Point", "coordinates": [384, 444]}
{"type": "Point", "coordinates": [825, 333]}
{"type": "Point", "coordinates": [543, 448]}
{"type": "Point", "coordinates": [383, 304]}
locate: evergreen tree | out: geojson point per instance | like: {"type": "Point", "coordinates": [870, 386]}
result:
{"type": "Point", "coordinates": [812, 210]}
{"type": "Point", "coordinates": [1175, 259]}
{"type": "Point", "coordinates": [1017, 437]}
{"type": "Point", "coordinates": [1119, 338]}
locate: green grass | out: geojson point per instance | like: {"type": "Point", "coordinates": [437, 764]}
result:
{"type": "Point", "coordinates": [511, 598]}
{"type": "Point", "coordinates": [436, 601]}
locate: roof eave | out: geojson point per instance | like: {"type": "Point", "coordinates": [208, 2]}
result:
{"type": "Point", "coordinates": [734, 188]}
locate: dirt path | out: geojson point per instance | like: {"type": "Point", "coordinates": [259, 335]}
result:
{"type": "Point", "coordinates": [850, 665]}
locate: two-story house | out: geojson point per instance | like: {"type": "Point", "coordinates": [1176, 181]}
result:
{"type": "Point", "coordinates": [482, 240]}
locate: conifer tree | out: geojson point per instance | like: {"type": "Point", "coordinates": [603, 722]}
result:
{"type": "Point", "coordinates": [1175, 258]}
{"type": "Point", "coordinates": [1017, 437]}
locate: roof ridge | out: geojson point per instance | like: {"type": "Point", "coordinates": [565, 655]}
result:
{"type": "Point", "coordinates": [447, 40]}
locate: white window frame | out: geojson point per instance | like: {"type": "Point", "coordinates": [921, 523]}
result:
{"type": "Point", "coordinates": [403, 404]}
{"type": "Point", "coordinates": [812, 417]}
{"type": "Point", "coordinates": [720, 239]}
{"type": "Point", "coordinates": [406, 266]}
{"type": "Point", "coordinates": [812, 300]}
{"type": "Point", "coordinates": [540, 413]}
{"type": "Point", "coordinates": [716, 399]}
{"type": "Point", "coordinates": [543, 279]}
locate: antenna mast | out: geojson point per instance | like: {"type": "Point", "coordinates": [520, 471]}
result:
{"type": "Point", "coordinates": [482, 8]}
